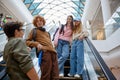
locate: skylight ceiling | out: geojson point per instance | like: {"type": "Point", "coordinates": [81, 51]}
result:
{"type": "Point", "coordinates": [55, 11]}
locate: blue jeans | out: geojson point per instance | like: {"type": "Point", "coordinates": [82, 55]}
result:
{"type": "Point", "coordinates": [63, 53]}
{"type": "Point", "coordinates": [77, 57]}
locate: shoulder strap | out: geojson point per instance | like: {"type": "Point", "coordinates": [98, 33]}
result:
{"type": "Point", "coordinates": [62, 26]}
{"type": "Point", "coordinates": [34, 34]}
{"type": "Point", "coordinates": [34, 39]}
{"type": "Point", "coordinates": [49, 35]}
{"type": "Point", "coordinates": [55, 33]}
{"type": "Point", "coordinates": [62, 29]}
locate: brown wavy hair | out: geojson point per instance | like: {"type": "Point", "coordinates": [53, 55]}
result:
{"type": "Point", "coordinates": [38, 17]}
{"type": "Point", "coordinates": [72, 26]}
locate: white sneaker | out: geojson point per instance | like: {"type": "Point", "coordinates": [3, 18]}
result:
{"type": "Point", "coordinates": [77, 76]}
{"type": "Point", "coordinates": [70, 75]}
{"type": "Point", "coordinates": [61, 75]}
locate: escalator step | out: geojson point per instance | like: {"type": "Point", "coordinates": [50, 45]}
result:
{"type": "Point", "coordinates": [67, 62]}
{"type": "Point", "coordinates": [69, 78]}
{"type": "Point", "coordinates": [66, 67]}
{"type": "Point", "coordinates": [66, 71]}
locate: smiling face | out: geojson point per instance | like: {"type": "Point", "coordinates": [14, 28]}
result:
{"type": "Point", "coordinates": [39, 22]}
{"type": "Point", "coordinates": [77, 23]}
{"type": "Point", "coordinates": [69, 20]}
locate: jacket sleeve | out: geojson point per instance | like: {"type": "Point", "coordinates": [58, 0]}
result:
{"type": "Point", "coordinates": [85, 32]}
{"type": "Point", "coordinates": [22, 56]}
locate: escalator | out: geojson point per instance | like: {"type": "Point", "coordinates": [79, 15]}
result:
{"type": "Point", "coordinates": [3, 74]}
{"type": "Point", "coordinates": [100, 68]}
{"type": "Point", "coordinates": [94, 68]}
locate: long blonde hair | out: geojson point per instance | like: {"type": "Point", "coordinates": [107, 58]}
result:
{"type": "Point", "coordinates": [77, 28]}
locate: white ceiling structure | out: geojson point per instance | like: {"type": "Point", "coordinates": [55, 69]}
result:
{"type": "Point", "coordinates": [55, 12]}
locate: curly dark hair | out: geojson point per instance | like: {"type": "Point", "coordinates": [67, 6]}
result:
{"type": "Point", "coordinates": [10, 27]}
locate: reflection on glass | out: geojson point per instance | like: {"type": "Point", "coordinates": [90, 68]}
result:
{"type": "Point", "coordinates": [93, 68]}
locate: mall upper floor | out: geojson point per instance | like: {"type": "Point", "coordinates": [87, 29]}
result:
{"type": "Point", "coordinates": [100, 17]}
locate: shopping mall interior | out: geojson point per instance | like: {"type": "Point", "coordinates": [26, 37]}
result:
{"type": "Point", "coordinates": [101, 18]}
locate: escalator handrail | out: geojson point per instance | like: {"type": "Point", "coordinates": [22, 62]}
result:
{"type": "Point", "coordinates": [109, 75]}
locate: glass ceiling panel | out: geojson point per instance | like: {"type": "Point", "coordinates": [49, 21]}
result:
{"type": "Point", "coordinates": [118, 13]}
{"type": "Point", "coordinates": [28, 1]}
{"type": "Point", "coordinates": [35, 12]}
{"type": "Point", "coordinates": [55, 11]}
{"type": "Point", "coordinates": [117, 20]}
{"type": "Point", "coordinates": [33, 6]}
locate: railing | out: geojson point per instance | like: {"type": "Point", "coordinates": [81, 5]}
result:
{"type": "Point", "coordinates": [95, 67]}
{"type": "Point", "coordinates": [100, 67]}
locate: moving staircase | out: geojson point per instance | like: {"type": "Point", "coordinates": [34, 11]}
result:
{"type": "Point", "coordinates": [94, 69]}
{"type": "Point", "coordinates": [66, 71]}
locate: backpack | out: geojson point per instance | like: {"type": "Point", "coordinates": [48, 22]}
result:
{"type": "Point", "coordinates": [62, 28]}
{"type": "Point", "coordinates": [34, 34]}
{"type": "Point", "coordinates": [55, 33]}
